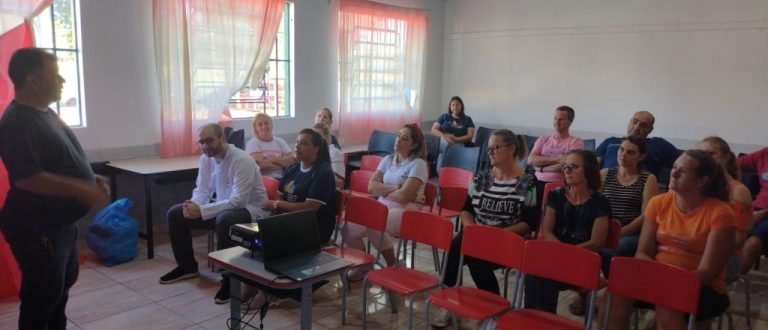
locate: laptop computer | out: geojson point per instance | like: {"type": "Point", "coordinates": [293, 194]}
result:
{"type": "Point", "coordinates": [290, 244]}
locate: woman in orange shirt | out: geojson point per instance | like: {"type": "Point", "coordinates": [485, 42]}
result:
{"type": "Point", "coordinates": [691, 227]}
{"type": "Point", "coordinates": [740, 200]}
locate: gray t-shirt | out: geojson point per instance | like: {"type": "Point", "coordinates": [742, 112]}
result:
{"type": "Point", "coordinates": [31, 142]}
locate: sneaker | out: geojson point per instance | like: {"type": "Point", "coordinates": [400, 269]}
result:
{"type": "Point", "coordinates": [178, 274]}
{"type": "Point", "coordinates": [222, 296]}
{"type": "Point", "coordinates": [441, 318]}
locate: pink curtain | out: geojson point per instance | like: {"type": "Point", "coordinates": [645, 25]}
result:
{"type": "Point", "coordinates": [382, 59]}
{"type": "Point", "coordinates": [10, 41]}
{"type": "Point", "coordinates": [205, 51]}
{"type": "Point", "coordinates": [19, 37]}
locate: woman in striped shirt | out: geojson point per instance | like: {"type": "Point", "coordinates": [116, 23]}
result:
{"type": "Point", "coordinates": [629, 188]}
{"type": "Point", "coordinates": [503, 196]}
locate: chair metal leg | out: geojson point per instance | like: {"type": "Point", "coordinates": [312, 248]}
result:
{"type": "Point", "coordinates": [344, 288]}
{"type": "Point", "coordinates": [210, 249]}
{"type": "Point", "coordinates": [436, 260]}
{"type": "Point", "coordinates": [365, 302]}
{"type": "Point", "coordinates": [747, 284]}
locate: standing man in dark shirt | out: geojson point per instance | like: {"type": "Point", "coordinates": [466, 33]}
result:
{"type": "Point", "coordinates": [52, 186]}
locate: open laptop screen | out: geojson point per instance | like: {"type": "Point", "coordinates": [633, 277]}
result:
{"type": "Point", "coordinates": [289, 234]}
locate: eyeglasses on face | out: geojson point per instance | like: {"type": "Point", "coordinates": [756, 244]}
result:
{"type": "Point", "coordinates": [570, 167]}
{"type": "Point", "coordinates": [496, 147]}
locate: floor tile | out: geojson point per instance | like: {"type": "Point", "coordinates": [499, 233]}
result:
{"type": "Point", "coordinates": [196, 305]}
{"type": "Point", "coordinates": [149, 317]}
{"type": "Point", "coordinates": [95, 305]}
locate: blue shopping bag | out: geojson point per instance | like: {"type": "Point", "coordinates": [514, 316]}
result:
{"type": "Point", "coordinates": [113, 235]}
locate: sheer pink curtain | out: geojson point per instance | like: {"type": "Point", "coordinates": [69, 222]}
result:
{"type": "Point", "coordinates": [205, 51]}
{"type": "Point", "coordinates": [15, 33]}
{"type": "Point", "coordinates": [382, 59]}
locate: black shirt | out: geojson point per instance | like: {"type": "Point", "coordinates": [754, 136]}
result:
{"type": "Point", "coordinates": [573, 223]}
{"type": "Point", "coordinates": [318, 184]}
{"type": "Point", "coordinates": [31, 142]}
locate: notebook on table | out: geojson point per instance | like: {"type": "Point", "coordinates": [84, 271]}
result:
{"type": "Point", "coordinates": [290, 244]}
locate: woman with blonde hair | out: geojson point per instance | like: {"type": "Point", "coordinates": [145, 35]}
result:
{"type": "Point", "coordinates": [271, 153]}
{"type": "Point", "coordinates": [397, 183]}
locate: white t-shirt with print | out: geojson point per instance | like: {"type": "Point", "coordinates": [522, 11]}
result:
{"type": "Point", "coordinates": [272, 149]}
{"type": "Point", "coordinates": [396, 173]}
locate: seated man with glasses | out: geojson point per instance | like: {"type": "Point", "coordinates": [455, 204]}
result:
{"type": "Point", "coordinates": [234, 178]}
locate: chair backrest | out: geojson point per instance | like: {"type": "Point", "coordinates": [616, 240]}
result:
{"type": "Point", "coordinates": [485, 242]}
{"type": "Point", "coordinates": [381, 143]}
{"type": "Point", "coordinates": [482, 134]}
{"type": "Point", "coordinates": [358, 180]}
{"type": "Point", "coordinates": [456, 177]}
{"type": "Point", "coordinates": [589, 144]}
{"type": "Point", "coordinates": [270, 184]}
{"type": "Point", "coordinates": [461, 157]}
{"type": "Point", "coordinates": [237, 138]}
{"type": "Point", "coordinates": [655, 283]}
{"type": "Point", "coordinates": [433, 147]}
{"type": "Point", "coordinates": [614, 235]}
{"type": "Point", "coordinates": [430, 194]}
{"type": "Point", "coordinates": [547, 188]}
{"type": "Point", "coordinates": [562, 262]}
{"type": "Point", "coordinates": [366, 212]}
{"type": "Point", "coordinates": [452, 198]}
{"type": "Point", "coordinates": [426, 228]}
{"type": "Point", "coordinates": [370, 162]}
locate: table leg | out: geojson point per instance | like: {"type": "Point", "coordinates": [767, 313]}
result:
{"type": "Point", "coordinates": [148, 182]}
{"type": "Point", "coordinates": [306, 306]}
{"type": "Point", "coordinates": [234, 302]}
{"type": "Point", "coordinates": [113, 184]}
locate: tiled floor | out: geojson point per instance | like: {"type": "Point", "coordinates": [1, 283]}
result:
{"type": "Point", "coordinates": [128, 296]}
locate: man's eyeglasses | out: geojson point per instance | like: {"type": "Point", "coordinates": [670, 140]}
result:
{"type": "Point", "coordinates": [206, 141]}
{"type": "Point", "coordinates": [570, 167]}
{"type": "Point", "coordinates": [495, 148]}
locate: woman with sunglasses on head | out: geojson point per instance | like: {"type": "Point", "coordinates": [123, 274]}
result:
{"type": "Point", "coordinates": [740, 201]}
{"type": "Point", "coordinates": [575, 214]}
{"type": "Point", "coordinates": [502, 196]}
{"type": "Point", "coordinates": [398, 182]}
{"type": "Point", "coordinates": [690, 227]}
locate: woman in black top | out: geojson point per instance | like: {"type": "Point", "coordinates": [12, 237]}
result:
{"type": "Point", "coordinates": [575, 214]}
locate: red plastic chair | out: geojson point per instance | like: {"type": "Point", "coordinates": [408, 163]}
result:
{"type": "Point", "coordinates": [560, 262]}
{"type": "Point", "coordinates": [614, 235]}
{"type": "Point", "coordinates": [420, 227]}
{"type": "Point", "coordinates": [481, 242]}
{"type": "Point", "coordinates": [365, 212]}
{"type": "Point", "coordinates": [430, 195]}
{"type": "Point", "coordinates": [547, 188]}
{"type": "Point", "coordinates": [271, 185]}
{"type": "Point", "coordinates": [655, 283]}
{"type": "Point", "coordinates": [358, 182]}
{"type": "Point", "coordinates": [370, 162]}
{"type": "Point", "coordinates": [450, 202]}
{"type": "Point", "coordinates": [456, 177]}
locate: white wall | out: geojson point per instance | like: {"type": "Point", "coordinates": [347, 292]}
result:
{"type": "Point", "coordinates": [120, 81]}
{"type": "Point", "coordinates": [701, 66]}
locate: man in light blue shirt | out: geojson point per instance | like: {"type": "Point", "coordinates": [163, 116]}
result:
{"type": "Point", "coordinates": [233, 177]}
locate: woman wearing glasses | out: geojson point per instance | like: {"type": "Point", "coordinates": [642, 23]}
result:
{"type": "Point", "coordinates": [502, 196]}
{"type": "Point", "coordinates": [575, 214]}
